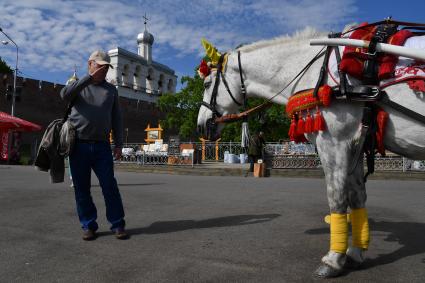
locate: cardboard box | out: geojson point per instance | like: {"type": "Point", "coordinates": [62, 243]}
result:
{"type": "Point", "coordinates": [259, 170]}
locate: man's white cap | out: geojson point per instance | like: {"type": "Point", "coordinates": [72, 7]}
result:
{"type": "Point", "coordinates": [101, 58]}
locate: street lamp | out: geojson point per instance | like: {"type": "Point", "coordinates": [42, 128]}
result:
{"type": "Point", "coordinates": [16, 70]}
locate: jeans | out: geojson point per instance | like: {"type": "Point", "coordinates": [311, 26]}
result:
{"type": "Point", "coordinates": [97, 156]}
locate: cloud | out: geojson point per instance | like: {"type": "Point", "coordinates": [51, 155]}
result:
{"type": "Point", "coordinates": [54, 35]}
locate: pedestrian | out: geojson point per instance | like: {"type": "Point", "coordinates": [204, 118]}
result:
{"type": "Point", "coordinates": [255, 149]}
{"type": "Point", "coordinates": [95, 112]}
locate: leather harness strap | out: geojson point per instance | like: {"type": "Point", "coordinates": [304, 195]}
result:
{"type": "Point", "coordinates": [400, 108]}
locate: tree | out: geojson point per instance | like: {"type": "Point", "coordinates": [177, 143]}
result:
{"type": "Point", "coordinates": [182, 113]}
{"type": "Point", "coordinates": [4, 68]}
{"type": "Point", "coordinates": [182, 107]}
{"type": "Point", "coordinates": [272, 121]}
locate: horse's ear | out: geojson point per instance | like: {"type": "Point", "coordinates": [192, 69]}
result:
{"type": "Point", "coordinates": [211, 51]}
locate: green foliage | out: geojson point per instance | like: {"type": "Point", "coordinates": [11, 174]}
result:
{"type": "Point", "coordinates": [272, 122]}
{"type": "Point", "coordinates": [182, 107]}
{"type": "Point", "coordinates": [182, 113]}
{"type": "Point", "coordinates": [4, 68]}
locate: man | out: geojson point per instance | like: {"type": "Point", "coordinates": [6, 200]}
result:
{"type": "Point", "coordinates": [95, 112]}
{"type": "Point", "coordinates": [255, 149]}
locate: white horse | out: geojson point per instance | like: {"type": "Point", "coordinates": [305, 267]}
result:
{"type": "Point", "coordinates": [267, 66]}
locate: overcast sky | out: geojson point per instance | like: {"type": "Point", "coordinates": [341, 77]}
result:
{"type": "Point", "coordinates": [53, 36]}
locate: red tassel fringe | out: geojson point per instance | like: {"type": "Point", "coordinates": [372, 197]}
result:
{"type": "Point", "coordinates": [300, 125]}
{"type": "Point", "coordinates": [381, 119]}
{"type": "Point", "coordinates": [319, 121]}
{"type": "Point", "coordinates": [308, 127]}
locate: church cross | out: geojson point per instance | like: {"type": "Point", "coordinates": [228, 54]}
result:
{"type": "Point", "coordinates": [146, 20]}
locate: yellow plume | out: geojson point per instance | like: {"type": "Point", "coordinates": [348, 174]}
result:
{"type": "Point", "coordinates": [211, 51]}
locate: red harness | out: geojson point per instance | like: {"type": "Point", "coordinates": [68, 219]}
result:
{"type": "Point", "coordinates": [299, 107]}
{"type": "Point", "coordinates": [353, 58]}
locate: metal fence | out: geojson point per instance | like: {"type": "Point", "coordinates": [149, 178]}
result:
{"type": "Point", "coordinates": [212, 151]}
{"type": "Point", "coordinates": [286, 155]}
{"type": "Point", "coordinates": [132, 153]}
{"type": "Point", "coordinates": [304, 156]}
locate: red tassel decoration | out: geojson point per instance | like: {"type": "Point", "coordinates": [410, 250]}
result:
{"type": "Point", "coordinates": [319, 121]}
{"type": "Point", "coordinates": [308, 127]}
{"type": "Point", "coordinates": [292, 129]}
{"type": "Point", "coordinates": [382, 119]}
{"type": "Point", "coordinates": [300, 125]}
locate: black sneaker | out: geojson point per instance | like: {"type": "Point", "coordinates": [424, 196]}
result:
{"type": "Point", "coordinates": [89, 235]}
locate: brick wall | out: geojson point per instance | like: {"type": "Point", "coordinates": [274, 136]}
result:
{"type": "Point", "coordinates": [42, 105]}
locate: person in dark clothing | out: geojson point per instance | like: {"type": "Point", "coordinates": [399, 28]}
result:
{"type": "Point", "coordinates": [95, 112]}
{"type": "Point", "coordinates": [255, 149]}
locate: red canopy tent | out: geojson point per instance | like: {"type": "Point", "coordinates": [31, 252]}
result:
{"type": "Point", "coordinates": [10, 123]}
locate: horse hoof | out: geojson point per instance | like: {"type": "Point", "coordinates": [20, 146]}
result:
{"type": "Point", "coordinates": [351, 263]}
{"type": "Point", "coordinates": [327, 271]}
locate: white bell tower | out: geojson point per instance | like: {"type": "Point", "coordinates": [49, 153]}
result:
{"type": "Point", "coordinates": [145, 41]}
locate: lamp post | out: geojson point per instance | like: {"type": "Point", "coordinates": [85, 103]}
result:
{"type": "Point", "coordinates": [16, 70]}
{"type": "Point", "coordinates": [14, 90]}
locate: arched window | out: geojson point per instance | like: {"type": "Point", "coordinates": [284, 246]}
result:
{"type": "Point", "coordinates": [161, 84]}
{"type": "Point", "coordinates": [136, 77]}
{"type": "Point", "coordinates": [124, 75]}
{"type": "Point", "coordinates": [150, 84]}
{"type": "Point", "coordinates": [170, 86]}
{"type": "Point", "coordinates": [150, 74]}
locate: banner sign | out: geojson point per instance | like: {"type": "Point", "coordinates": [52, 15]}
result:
{"type": "Point", "coordinates": [4, 141]}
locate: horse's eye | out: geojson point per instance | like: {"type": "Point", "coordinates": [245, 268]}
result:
{"type": "Point", "coordinates": [207, 84]}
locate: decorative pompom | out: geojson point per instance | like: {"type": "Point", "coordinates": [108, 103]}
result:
{"type": "Point", "coordinates": [300, 125]}
{"type": "Point", "coordinates": [308, 127]}
{"type": "Point", "coordinates": [204, 69]}
{"type": "Point", "coordinates": [325, 93]}
{"type": "Point", "coordinates": [292, 129]}
{"type": "Point", "coordinates": [319, 121]}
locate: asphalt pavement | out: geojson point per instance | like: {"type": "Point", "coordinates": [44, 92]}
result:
{"type": "Point", "coordinates": [188, 228]}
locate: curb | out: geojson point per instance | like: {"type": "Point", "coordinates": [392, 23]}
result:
{"type": "Point", "coordinates": [240, 172]}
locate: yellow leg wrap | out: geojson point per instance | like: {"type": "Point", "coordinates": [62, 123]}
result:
{"type": "Point", "coordinates": [327, 218]}
{"type": "Point", "coordinates": [360, 228]}
{"type": "Point", "coordinates": [339, 233]}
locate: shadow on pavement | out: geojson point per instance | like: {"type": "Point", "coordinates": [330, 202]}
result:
{"type": "Point", "coordinates": [410, 235]}
{"type": "Point", "coordinates": [181, 225]}
{"type": "Point", "coordinates": [132, 185]}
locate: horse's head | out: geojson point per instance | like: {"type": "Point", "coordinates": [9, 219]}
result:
{"type": "Point", "coordinates": [222, 91]}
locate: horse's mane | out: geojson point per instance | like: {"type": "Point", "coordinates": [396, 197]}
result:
{"type": "Point", "coordinates": [306, 33]}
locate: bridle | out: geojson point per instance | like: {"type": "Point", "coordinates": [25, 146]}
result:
{"type": "Point", "coordinates": [213, 101]}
